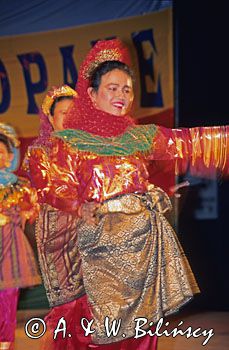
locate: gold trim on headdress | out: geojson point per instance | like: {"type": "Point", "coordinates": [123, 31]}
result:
{"type": "Point", "coordinates": [102, 56]}
{"type": "Point", "coordinates": [10, 133]}
{"type": "Point", "coordinates": [102, 51]}
{"type": "Point", "coordinates": [56, 92]}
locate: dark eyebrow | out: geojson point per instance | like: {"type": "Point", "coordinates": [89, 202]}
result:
{"type": "Point", "coordinates": [112, 84]}
{"type": "Point", "coordinates": [125, 86]}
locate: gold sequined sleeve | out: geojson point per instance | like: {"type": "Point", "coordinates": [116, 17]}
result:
{"type": "Point", "coordinates": [29, 202]}
{"type": "Point", "coordinates": [21, 196]}
{"type": "Point", "coordinates": [204, 151]}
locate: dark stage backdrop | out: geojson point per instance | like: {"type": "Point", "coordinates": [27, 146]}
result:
{"type": "Point", "coordinates": [202, 72]}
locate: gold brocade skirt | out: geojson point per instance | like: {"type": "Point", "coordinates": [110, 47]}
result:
{"type": "Point", "coordinates": [133, 264]}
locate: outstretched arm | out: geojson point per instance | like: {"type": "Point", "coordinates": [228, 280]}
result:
{"type": "Point", "coordinates": [202, 150]}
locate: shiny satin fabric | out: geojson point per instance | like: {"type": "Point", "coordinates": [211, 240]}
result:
{"type": "Point", "coordinates": [204, 151]}
{"type": "Point", "coordinates": [83, 167]}
{"type": "Point", "coordinates": [8, 308]}
{"type": "Point", "coordinates": [134, 256]}
{"type": "Point", "coordinates": [67, 178]}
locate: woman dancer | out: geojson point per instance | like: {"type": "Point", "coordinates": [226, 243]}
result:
{"type": "Point", "coordinates": [63, 258]}
{"type": "Point", "coordinates": [132, 263]}
{"type": "Point", "coordinates": [18, 203]}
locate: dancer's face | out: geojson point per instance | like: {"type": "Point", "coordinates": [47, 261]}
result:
{"type": "Point", "coordinates": [5, 156]}
{"type": "Point", "coordinates": [115, 93]}
{"type": "Point", "coordinates": [60, 111]}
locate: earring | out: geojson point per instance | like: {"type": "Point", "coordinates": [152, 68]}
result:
{"type": "Point", "coordinates": [94, 102]}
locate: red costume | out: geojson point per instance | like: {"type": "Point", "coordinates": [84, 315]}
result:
{"type": "Point", "coordinates": [131, 264]}
{"type": "Point", "coordinates": [18, 268]}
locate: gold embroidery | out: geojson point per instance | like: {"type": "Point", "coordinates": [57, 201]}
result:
{"type": "Point", "coordinates": [133, 254]}
{"type": "Point", "coordinates": [102, 56]}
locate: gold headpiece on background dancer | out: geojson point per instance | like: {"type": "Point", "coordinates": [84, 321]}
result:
{"type": "Point", "coordinates": [53, 94]}
{"type": "Point", "coordinates": [10, 133]}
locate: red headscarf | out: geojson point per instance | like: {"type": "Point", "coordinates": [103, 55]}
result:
{"type": "Point", "coordinates": [83, 115]}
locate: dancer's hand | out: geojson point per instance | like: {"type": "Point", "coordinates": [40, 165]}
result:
{"type": "Point", "coordinates": [175, 188]}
